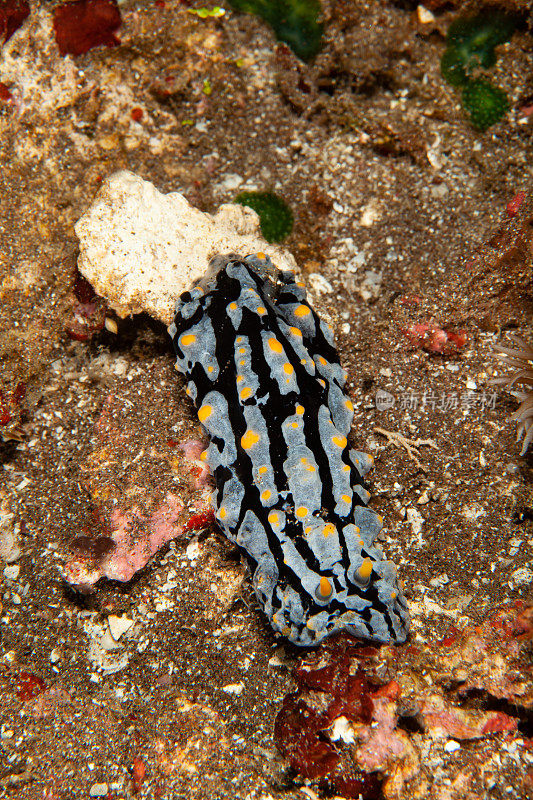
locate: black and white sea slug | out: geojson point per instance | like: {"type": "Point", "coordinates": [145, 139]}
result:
{"type": "Point", "coordinates": [264, 374]}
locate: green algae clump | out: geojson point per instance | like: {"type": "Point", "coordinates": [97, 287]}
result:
{"type": "Point", "coordinates": [452, 67]}
{"type": "Point", "coordinates": [295, 22]}
{"type": "Point", "coordinates": [275, 215]}
{"type": "Point", "coordinates": [484, 103]}
{"type": "Point", "coordinates": [472, 42]}
{"type": "Point", "coordinates": [471, 47]}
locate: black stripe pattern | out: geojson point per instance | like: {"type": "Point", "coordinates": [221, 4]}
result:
{"type": "Point", "coordinates": [265, 377]}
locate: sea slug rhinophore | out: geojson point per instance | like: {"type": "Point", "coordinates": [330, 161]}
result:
{"type": "Point", "coordinates": [265, 377]}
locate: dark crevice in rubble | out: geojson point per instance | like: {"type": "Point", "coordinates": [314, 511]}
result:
{"type": "Point", "coordinates": [410, 723]}
{"type": "Point", "coordinates": [484, 701]}
{"type": "Point", "coordinates": [522, 515]}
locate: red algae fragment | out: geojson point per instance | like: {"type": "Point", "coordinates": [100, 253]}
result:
{"type": "Point", "coordinates": [28, 686]}
{"type": "Point", "coordinates": [297, 730]}
{"type": "Point", "coordinates": [433, 339]}
{"type": "Point", "coordinates": [371, 716]}
{"type": "Point", "coordinates": [19, 393]}
{"type": "Point", "coordinates": [10, 411]}
{"type": "Point", "coordinates": [328, 689]}
{"type": "Point", "coordinates": [513, 206]}
{"type": "Point", "coordinates": [12, 15]}
{"type": "Point", "coordinates": [5, 416]}
{"type": "Point", "coordinates": [83, 290]}
{"type": "Point", "coordinates": [139, 772]}
{"type": "Point", "coordinates": [199, 521]}
{"type": "Point", "coordinates": [88, 311]}
{"type": "Point", "coordinates": [83, 24]}
{"type": "Point", "coordinates": [5, 94]}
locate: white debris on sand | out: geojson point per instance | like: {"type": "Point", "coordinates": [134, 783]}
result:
{"type": "Point", "coordinates": [140, 249]}
{"type": "Point", "coordinates": [10, 549]}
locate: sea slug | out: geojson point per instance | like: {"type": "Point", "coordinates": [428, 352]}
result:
{"type": "Point", "coordinates": [265, 377]}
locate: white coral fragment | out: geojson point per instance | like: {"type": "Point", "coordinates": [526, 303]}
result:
{"type": "Point", "coordinates": [140, 249]}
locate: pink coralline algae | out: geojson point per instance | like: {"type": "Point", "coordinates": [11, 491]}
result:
{"type": "Point", "coordinates": [353, 715]}
{"type": "Point", "coordinates": [120, 534]}
{"type": "Point", "coordinates": [48, 703]}
{"type": "Point", "coordinates": [83, 24]}
{"type": "Point", "coordinates": [439, 718]}
{"type": "Point", "coordinates": [123, 552]}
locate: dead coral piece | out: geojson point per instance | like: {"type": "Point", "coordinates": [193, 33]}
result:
{"type": "Point", "coordinates": [140, 248]}
{"type": "Point", "coordinates": [520, 358]}
{"type": "Point", "coordinates": [411, 445]}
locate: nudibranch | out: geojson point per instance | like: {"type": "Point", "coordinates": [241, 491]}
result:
{"type": "Point", "coordinates": [264, 374]}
